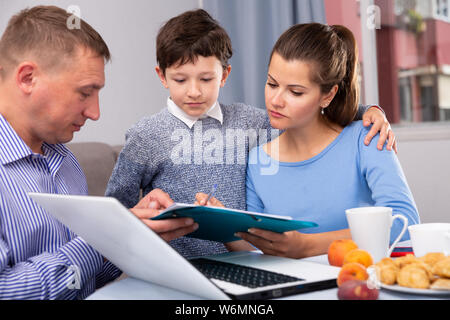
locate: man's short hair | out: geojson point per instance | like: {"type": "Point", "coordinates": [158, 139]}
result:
{"type": "Point", "coordinates": [193, 33]}
{"type": "Point", "coordinates": [43, 32]}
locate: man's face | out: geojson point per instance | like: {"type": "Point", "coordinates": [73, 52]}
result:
{"type": "Point", "coordinates": [65, 98]}
{"type": "Point", "coordinates": [194, 87]}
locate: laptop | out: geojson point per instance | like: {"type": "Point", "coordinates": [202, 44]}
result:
{"type": "Point", "coordinates": [123, 239]}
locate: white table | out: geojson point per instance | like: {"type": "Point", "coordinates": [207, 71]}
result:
{"type": "Point", "coordinates": [133, 289]}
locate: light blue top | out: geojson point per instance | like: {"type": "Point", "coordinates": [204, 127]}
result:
{"type": "Point", "coordinates": [346, 174]}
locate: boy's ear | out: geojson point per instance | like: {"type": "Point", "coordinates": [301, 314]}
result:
{"type": "Point", "coordinates": [26, 76]}
{"type": "Point", "coordinates": [161, 76]}
{"type": "Point", "coordinates": [225, 74]}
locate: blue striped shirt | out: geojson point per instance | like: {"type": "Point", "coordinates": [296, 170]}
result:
{"type": "Point", "coordinates": [40, 258]}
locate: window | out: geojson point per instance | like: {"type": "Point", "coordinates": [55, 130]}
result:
{"type": "Point", "coordinates": [406, 111]}
{"type": "Point", "coordinates": [427, 99]}
{"type": "Point", "coordinates": [441, 9]}
{"type": "Point", "coordinates": [412, 74]}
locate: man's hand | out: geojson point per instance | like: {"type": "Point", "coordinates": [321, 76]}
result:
{"type": "Point", "coordinates": [381, 124]}
{"type": "Point", "coordinates": [168, 229]}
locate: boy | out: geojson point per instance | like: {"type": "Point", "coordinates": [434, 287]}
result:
{"type": "Point", "coordinates": [195, 142]}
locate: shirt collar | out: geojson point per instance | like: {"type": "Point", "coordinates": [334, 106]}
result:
{"type": "Point", "coordinates": [214, 112]}
{"type": "Point", "coordinates": [13, 148]}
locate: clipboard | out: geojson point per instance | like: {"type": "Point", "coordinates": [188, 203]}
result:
{"type": "Point", "coordinates": [220, 224]}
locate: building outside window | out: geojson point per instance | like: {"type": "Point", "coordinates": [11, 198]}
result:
{"type": "Point", "coordinates": [412, 55]}
{"type": "Point", "coordinates": [441, 9]}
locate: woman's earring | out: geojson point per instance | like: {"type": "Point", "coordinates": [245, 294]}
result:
{"type": "Point", "coordinates": [322, 112]}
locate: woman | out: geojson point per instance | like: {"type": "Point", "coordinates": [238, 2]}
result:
{"type": "Point", "coordinates": [322, 165]}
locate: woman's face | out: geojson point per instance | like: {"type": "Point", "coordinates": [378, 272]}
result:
{"type": "Point", "coordinates": [292, 99]}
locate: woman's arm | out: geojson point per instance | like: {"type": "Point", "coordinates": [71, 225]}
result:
{"type": "Point", "coordinates": [387, 182]}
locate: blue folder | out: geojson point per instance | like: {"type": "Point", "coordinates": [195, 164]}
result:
{"type": "Point", "coordinates": [220, 224]}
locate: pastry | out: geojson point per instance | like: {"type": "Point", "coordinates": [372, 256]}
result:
{"type": "Point", "coordinates": [387, 274]}
{"type": "Point", "coordinates": [414, 276]}
{"type": "Point", "coordinates": [386, 261]}
{"type": "Point", "coordinates": [405, 260]}
{"type": "Point", "coordinates": [442, 268]}
{"type": "Point", "coordinates": [441, 284]}
{"type": "Point", "coordinates": [432, 257]}
{"type": "Point", "coordinates": [425, 267]}
{"type": "Point", "coordinates": [387, 271]}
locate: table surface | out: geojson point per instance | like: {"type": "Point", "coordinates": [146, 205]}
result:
{"type": "Point", "coordinates": [127, 288]}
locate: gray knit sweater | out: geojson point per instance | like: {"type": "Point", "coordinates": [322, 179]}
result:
{"type": "Point", "coordinates": [162, 152]}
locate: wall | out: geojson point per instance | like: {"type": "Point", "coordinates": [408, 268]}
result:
{"type": "Point", "coordinates": [424, 153]}
{"type": "Point", "coordinates": [129, 28]}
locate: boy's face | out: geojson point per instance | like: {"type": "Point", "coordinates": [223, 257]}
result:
{"type": "Point", "coordinates": [194, 86]}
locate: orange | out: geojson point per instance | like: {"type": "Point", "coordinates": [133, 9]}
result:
{"type": "Point", "coordinates": [358, 255]}
{"type": "Point", "coordinates": [338, 249]}
{"type": "Point", "coordinates": [352, 271]}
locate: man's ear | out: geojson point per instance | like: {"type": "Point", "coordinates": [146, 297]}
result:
{"type": "Point", "coordinates": [161, 76]}
{"type": "Point", "coordinates": [26, 76]}
{"type": "Point", "coordinates": [225, 74]}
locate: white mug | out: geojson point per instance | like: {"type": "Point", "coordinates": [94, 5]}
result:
{"type": "Point", "coordinates": [371, 229]}
{"type": "Point", "coordinates": [430, 237]}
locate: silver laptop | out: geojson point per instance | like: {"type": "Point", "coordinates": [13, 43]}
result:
{"type": "Point", "coordinates": [123, 239]}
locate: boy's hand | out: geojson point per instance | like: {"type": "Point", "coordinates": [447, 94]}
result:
{"type": "Point", "coordinates": [168, 229]}
{"type": "Point", "coordinates": [200, 199]}
{"type": "Point", "coordinates": [381, 124]}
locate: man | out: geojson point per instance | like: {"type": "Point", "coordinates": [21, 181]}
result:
{"type": "Point", "coordinates": [50, 78]}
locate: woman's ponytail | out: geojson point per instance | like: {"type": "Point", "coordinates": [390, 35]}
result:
{"type": "Point", "coordinates": [347, 97]}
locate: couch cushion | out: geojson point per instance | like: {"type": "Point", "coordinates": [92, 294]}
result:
{"type": "Point", "coordinates": [97, 161]}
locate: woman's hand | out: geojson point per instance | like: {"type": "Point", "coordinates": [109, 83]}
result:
{"type": "Point", "coordinates": [290, 244]}
{"type": "Point", "coordinates": [293, 244]}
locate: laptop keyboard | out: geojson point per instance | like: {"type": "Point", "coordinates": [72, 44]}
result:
{"type": "Point", "coordinates": [239, 274]}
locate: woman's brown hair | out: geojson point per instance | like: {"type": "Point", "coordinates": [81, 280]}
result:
{"type": "Point", "coordinates": [333, 53]}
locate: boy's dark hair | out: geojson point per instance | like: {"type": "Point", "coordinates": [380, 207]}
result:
{"type": "Point", "coordinates": [183, 38]}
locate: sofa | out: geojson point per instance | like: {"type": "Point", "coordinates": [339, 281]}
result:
{"type": "Point", "coordinates": [424, 152]}
{"type": "Point", "coordinates": [97, 160]}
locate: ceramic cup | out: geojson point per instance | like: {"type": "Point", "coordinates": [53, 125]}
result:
{"type": "Point", "coordinates": [371, 229]}
{"type": "Point", "coordinates": [430, 237]}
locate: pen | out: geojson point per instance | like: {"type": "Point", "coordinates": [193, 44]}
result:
{"type": "Point", "coordinates": [211, 193]}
